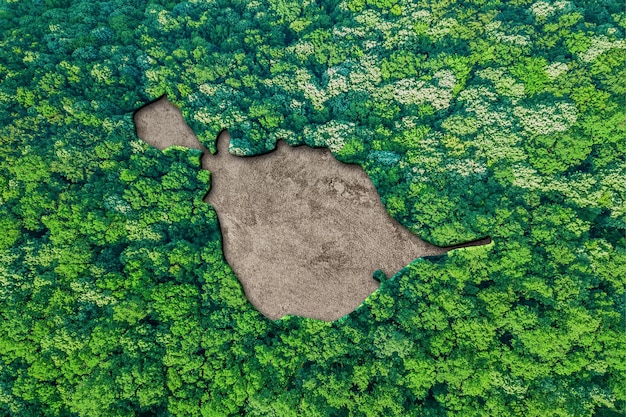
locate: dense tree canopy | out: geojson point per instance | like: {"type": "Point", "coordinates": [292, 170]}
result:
{"type": "Point", "coordinates": [472, 118]}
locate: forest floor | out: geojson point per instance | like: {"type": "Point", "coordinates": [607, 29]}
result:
{"type": "Point", "coordinates": [303, 232]}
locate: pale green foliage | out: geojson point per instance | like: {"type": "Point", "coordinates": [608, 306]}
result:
{"type": "Point", "coordinates": [117, 203]}
{"type": "Point", "coordinates": [219, 110]}
{"type": "Point", "coordinates": [460, 125]}
{"type": "Point", "coordinates": [500, 36]}
{"type": "Point", "coordinates": [88, 293]}
{"type": "Point", "coordinates": [365, 74]}
{"type": "Point", "coordinates": [332, 135]}
{"type": "Point", "coordinates": [466, 167]}
{"type": "Point", "coordinates": [442, 27]}
{"type": "Point", "coordinates": [599, 45]}
{"type": "Point", "coordinates": [556, 68]}
{"type": "Point", "coordinates": [414, 92]}
{"type": "Point", "coordinates": [544, 120]}
{"type": "Point", "coordinates": [504, 84]}
{"type": "Point", "coordinates": [543, 9]}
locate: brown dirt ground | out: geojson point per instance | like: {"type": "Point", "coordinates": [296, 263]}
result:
{"type": "Point", "coordinates": [302, 231]}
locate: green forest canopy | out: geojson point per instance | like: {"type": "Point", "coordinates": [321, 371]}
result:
{"type": "Point", "coordinates": [472, 118]}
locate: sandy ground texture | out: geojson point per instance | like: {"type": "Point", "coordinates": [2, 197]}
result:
{"type": "Point", "coordinates": [303, 232]}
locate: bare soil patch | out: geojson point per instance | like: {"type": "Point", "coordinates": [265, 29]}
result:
{"type": "Point", "coordinates": [303, 232]}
